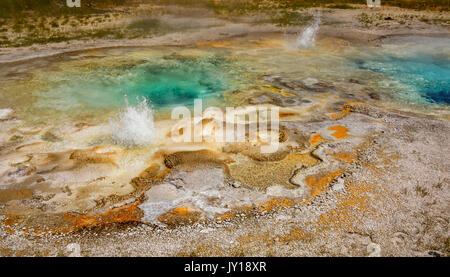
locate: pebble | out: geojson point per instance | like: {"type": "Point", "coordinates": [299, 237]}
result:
{"type": "Point", "coordinates": [374, 250]}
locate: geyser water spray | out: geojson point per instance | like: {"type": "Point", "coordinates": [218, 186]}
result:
{"type": "Point", "coordinates": [307, 38]}
{"type": "Point", "coordinates": [134, 125]}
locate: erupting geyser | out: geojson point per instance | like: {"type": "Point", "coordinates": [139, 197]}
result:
{"type": "Point", "coordinates": [134, 125]}
{"type": "Point", "coordinates": [307, 38]}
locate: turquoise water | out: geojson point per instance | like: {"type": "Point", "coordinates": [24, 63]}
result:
{"type": "Point", "coordinates": [165, 82]}
{"type": "Point", "coordinates": [424, 72]}
{"type": "Point", "coordinates": [179, 81]}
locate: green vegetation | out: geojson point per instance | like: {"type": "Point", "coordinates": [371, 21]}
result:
{"type": "Point", "coordinates": [442, 5]}
{"type": "Point", "coordinates": [146, 25]}
{"type": "Point", "coordinates": [438, 186]}
{"type": "Point", "coordinates": [364, 19]}
{"type": "Point", "coordinates": [249, 6]}
{"type": "Point", "coordinates": [341, 6]}
{"type": "Point", "coordinates": [288, 18]}
{"type": "Point", "coordinates": [421, 191]}
{"type": "Point", "coordinates": [16, 8]}
{"type": "Point", "coordinates": [27, 22]}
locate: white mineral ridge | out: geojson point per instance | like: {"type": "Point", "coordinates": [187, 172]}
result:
{"type": "Point", "coordinates": [5, 113]}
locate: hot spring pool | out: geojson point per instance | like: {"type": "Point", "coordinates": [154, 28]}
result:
{"type": "Point", "coordinates": [164, 81]}
{"type": "Point", "coordinates": [92, 86]}
{"type": "Point", "coordinates": [419, 68]}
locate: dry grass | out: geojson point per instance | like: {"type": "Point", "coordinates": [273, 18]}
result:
{"type": "Point", "coordinates": [27, 22]}
{"type": "Point", "coordinates": [14, 8]}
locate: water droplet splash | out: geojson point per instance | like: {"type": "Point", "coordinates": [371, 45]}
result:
{"type": "Point", "coordinates": [134, 125]}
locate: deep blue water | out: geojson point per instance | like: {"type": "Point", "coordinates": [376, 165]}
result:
{"type": "Point", "coordinates": [425, 73]}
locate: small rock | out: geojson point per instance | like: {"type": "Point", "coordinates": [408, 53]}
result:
{"type": "Point", "coordinates": [354, 81]}
{"type": "Point", "coordinates": [339, 185]}
{"type": "Point", "coordinates": [73, 250]}
{"type": "Point", "coordinates": [236, 184]}
{"type": "Point", "coordinates": [178, 182]}
{"type": "Point", "coordinates": [374, 96]}
{"type": "Point", "coordinates": [374, 250]}
{"type": "Point", "coordinates": [310, 81]}
{"type": "Point", "coordinates": [435, 253]}
{"type": "Point", "coordinates": [207, 230]}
